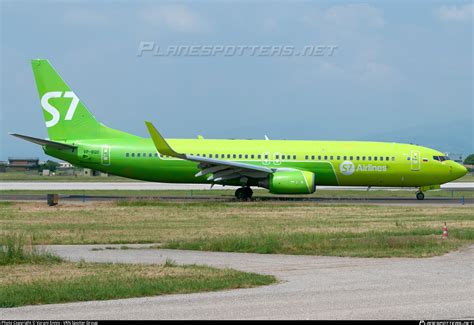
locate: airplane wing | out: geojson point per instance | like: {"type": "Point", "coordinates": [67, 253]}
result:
{"type": "Point", "coordinates": [221, 170]}
{"type": "Point", "coordinates": [43, 142]}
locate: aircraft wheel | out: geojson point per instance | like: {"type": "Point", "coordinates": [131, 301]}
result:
{"type": "Point", "coordinates": [420, 196]}
{"type": "Point", "coordinates": [249, 192]}
{"type": "Point", "coordinates": [244, 193]}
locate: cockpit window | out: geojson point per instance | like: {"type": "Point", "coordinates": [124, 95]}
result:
{"type": "Point", "coordinates": [441, 158]}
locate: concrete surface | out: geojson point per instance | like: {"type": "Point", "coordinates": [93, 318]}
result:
{"type": "Point", "coordinates": [311, 287]}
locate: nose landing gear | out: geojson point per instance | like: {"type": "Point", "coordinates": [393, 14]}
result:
{"type": "Point", "coordinates": [244, 193]}
{"type": "Point", "coordinates": [420, 196]}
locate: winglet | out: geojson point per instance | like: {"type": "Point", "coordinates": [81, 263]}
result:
{"type": "Point", "coordinates": [160, 143]}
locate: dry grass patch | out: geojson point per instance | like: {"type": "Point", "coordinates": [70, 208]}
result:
{"type": "Point", "coordinates": [171, 222]}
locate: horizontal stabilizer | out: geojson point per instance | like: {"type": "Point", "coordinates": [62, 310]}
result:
{"type": "Point", "coordinates": [43, 142]}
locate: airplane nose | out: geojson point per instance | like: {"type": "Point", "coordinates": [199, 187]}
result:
{"type": "Point", "coordinates": [459, 170]}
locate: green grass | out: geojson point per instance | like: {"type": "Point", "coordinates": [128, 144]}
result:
{"type": "Point", "coordinates": [414, 243]}
{"type": "Point", "coordinates": [258, 193]}
{"type": "Point", "coordinates": [15, 250]}
{"type": "Point", "coordinates": [263, 227]}
{"type": "Point", "coordinates": [29, 276]}
{"type": "Point", "coordinates": [69, 282]}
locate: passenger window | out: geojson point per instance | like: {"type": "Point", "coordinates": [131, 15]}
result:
{"type": "Point", "coordinates": [331, 157]}
{"type": "Point", "coordinates": [240, 156]}
{"type": "Point", "coordinates": [234, 155]}
{"type": "Point", "coordinates": [306, 157]}
{"type": "Point", "coordinates": [338, 157]}
{"type": "Point", "coordinates": [204, 155]}
{"type": "Point", "coordinates": [393, 158]}
{"type": "Point", "coordinates": [228, 155]}
{"type": "Point", "coordinates": [369, 158]}
{"type": "Point", "coordinates": [381, 158]}
{"type": "Point", "coordinates": [294, 157]}
{"type": "Point", "coordinates": [144, 154]}
{"type": "Point", "coordinates": [363, 158]}
{"type": "Point", "coordinates": [282, 157]}
{"type": "Point", "coordinates": [357, 158]}
{"type": "Point", "coordinates": [127, 155]}
{"type": "Point", "coordinates": [246, 156]}
{"type": "Point", "coordinates": [133, 154]}
{"type": "Point", "coordinates": [252, 156]}
{"type": "Point", "coordinates": [375, 158]}
{"type": "Point", "coordinates": [138, 154]}
{"type": "Point", "coordinates": [156, 154]}
{"type": "Point", "coordinates": [345, 157]}
{"type": "Point", "coordinates": [266, 156]}
{"type": "Point", "coordinates": [277, 156]}
{"type": "Point", "coordinates": [312, 157]}
{"type": "Point", "coordinates": [325, 157]}
{"type": "Point", "coordinates": [259, 157]}
{"type": "Point", "coordinates": [319, 157]}
{"type": "Point", "coordinates": [351, 158]}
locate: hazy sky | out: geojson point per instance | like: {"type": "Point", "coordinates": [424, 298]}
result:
{"type": "Point", "coordinates": [401, 71]}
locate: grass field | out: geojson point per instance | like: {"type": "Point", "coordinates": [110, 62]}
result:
{"type": "Point", "coordinates": [258, 193]}
{"type": "Point", "coordinates": [262, 227]}
{"type": "Point", "coordinates": [29, 276]}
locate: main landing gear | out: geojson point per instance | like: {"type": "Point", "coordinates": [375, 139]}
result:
{"type": "Point", "coordinates": [244, 193]}
{"type": "Point", "coordinates": [420, 196]}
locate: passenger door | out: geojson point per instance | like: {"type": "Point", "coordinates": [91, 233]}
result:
{"type": "Point", "coordinates": [105, 155]}
{"type": "Point", "coordinates": [415, 160]}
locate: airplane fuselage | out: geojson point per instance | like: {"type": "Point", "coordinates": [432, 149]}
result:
{"type": "Point", "coordinates": [345, 163]}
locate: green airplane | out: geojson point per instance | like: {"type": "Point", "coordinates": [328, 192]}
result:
{"type": "Point", "coordinates": [282, 167]}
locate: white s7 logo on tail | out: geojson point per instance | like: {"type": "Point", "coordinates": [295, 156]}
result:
{"type": "Point", "coordinates": [54, 111]}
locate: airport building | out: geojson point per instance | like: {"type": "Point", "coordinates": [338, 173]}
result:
{"type": "Point", "coordinates": [23, 164]}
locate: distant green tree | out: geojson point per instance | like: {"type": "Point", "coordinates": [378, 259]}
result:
{"type": "Point", "coordinates": [51, 165]}
{"type": "Point", "coordinates": [469, 160]}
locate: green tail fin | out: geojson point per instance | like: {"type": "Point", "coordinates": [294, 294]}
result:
{"type": "Point", "coordinates": [65, 115]}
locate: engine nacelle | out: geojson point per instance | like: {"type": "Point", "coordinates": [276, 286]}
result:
{"type": "Point", "coordinates": [291, 182]}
